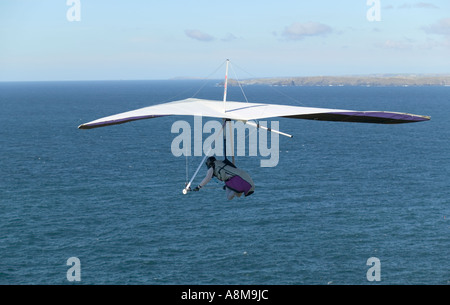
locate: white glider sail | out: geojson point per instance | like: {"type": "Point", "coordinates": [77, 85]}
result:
{"type": "Point", "coordinates": [247, 112]}
{"type": "Point", "coordinates": [241, 111]}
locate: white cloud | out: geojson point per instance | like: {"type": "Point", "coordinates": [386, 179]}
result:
{"type": "Point", "coordinates": [425, 5]}
{"type": "Point", "coordinates": [442, 27]}
{"type": "Point", "coordinates": [418, 5]}
{"type": "Point", "coordinates": [297, 31]}
{"type": "Point", "coordinates": [395, 44]}
{"type": "Point", "coordinates": [229, 37]}
{"type": "Point", "coordinates": [198, 35]}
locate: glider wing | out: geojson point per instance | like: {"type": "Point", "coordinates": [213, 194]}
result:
{"type": "Point", "coordinates": [253, 111]}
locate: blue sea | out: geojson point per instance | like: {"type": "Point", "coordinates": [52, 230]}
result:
{"type": "Point", "coordinates": [342, 193]}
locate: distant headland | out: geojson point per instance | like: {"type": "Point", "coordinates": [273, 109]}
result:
{"type": "Point", "coordinates": [381, 80]}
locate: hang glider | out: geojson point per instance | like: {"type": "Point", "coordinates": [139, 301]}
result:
{"type": "Point", "coordinates": [249, 112]}
{"type": "Point", "coordinates": [241, 111]}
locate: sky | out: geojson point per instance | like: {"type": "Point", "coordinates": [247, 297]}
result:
{"type": "Point", "coordinates": [43, 40]}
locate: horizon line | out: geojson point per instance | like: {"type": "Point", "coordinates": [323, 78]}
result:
{"type": "Point", "coordinates": [193, 78]}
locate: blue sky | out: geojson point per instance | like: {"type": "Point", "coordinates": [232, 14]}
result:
{"type": "Point", "coordinates": [138, 39]}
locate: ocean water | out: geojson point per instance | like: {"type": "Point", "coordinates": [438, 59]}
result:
{"type": "Point", "coordinates": [340, 194]}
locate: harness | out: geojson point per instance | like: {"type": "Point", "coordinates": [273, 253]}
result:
{"type": "Point", "coordinates": [224, 170]}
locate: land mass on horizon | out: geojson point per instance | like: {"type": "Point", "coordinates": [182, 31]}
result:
{"type": "Point", "coordinates": [364, 80]}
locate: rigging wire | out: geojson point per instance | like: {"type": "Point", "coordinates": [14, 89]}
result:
{"type": "Point", "coordinates": [187, 165]}
{"type": "Point", "coordinates": [203, 160]}
{"type": "Point", "coordinates": [223, 127]}
{"type": "Point", "coordinates": [298, 102]}
{"type": "Point", "coordinates": [239, 83]}
{"type": "Point", "coordinates": [274, 88]}
{"type": "Point", "coordinates": [246, 99]}
{"type": "Point", "coordinates": [208, 78]}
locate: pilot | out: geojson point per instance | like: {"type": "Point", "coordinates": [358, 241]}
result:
{"type": "Point", "coordinates": [237, 181]}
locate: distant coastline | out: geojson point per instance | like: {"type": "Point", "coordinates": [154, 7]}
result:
{"type": "Point", "coordinates": [380, 80]}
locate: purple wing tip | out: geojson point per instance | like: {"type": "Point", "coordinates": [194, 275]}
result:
{"type": "Point", "coordinates": [382, 117]}
{"type": "Point", "coordinates": [377, 117]}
